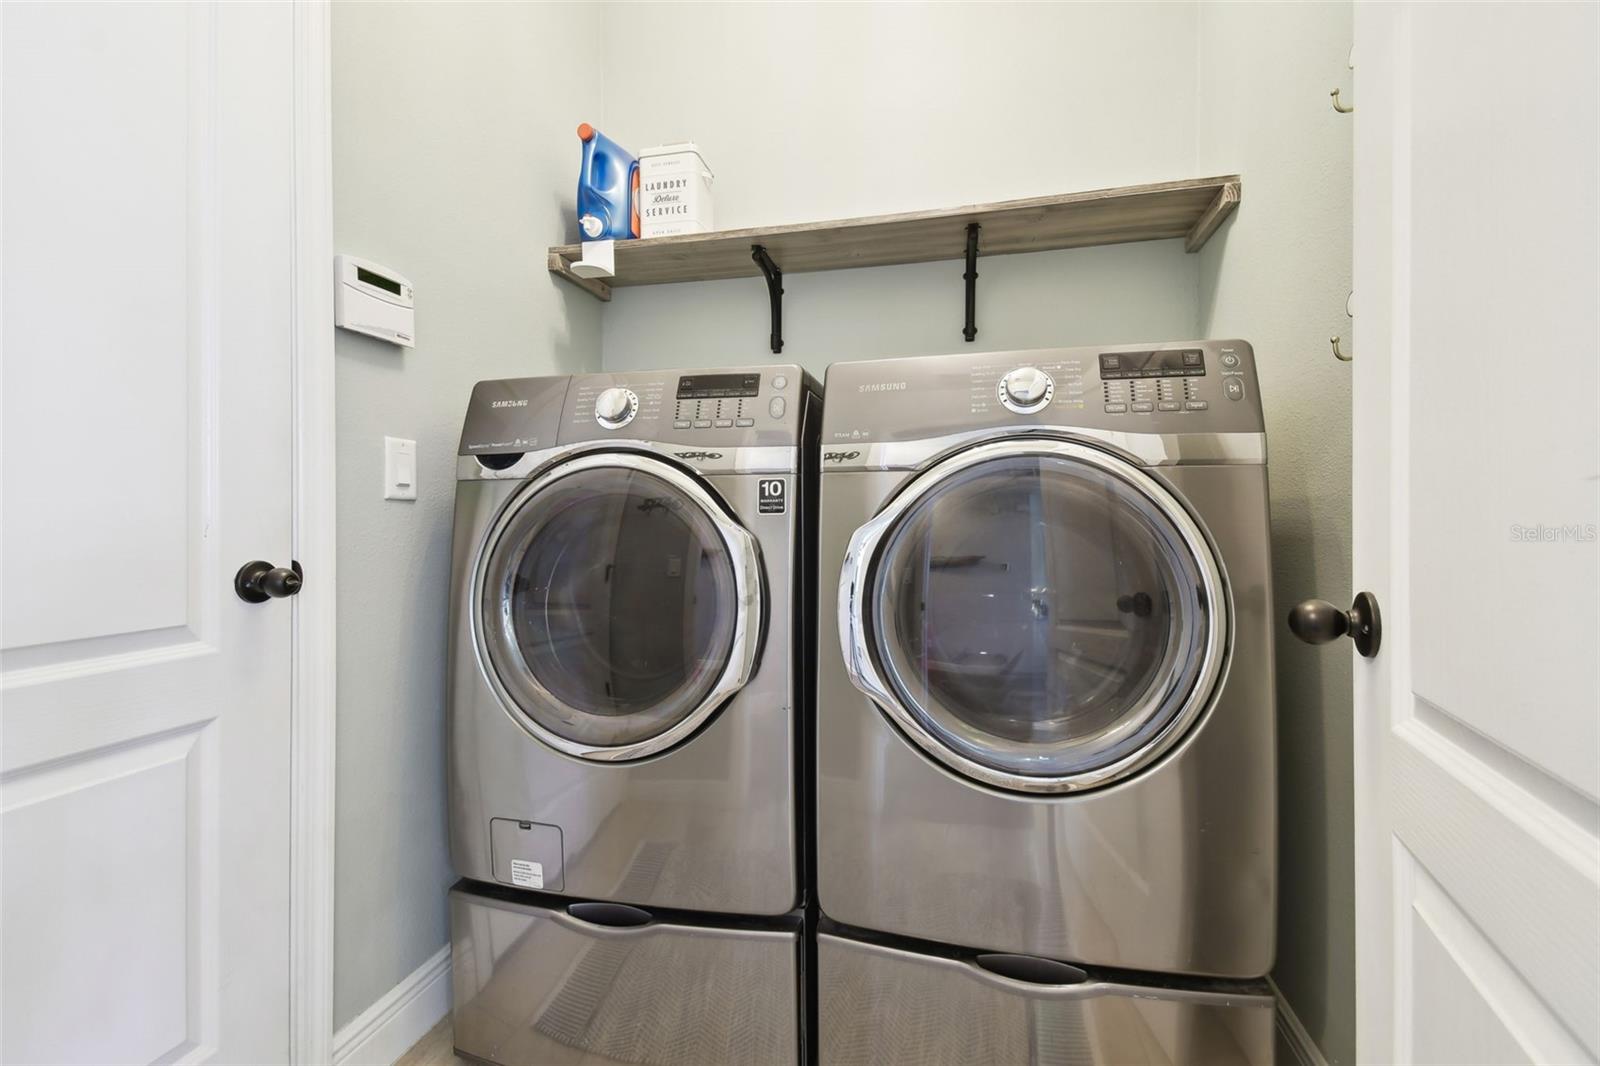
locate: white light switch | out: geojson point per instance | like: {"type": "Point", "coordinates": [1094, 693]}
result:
{"type": "Point", "coordinates": [399, 469]}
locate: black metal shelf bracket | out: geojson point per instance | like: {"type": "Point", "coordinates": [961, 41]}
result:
{"type": "Point", "coordinates": [970, 330]}
{"type": "Point", "coordinates": [774, 278]}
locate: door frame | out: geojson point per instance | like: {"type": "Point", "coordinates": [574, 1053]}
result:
{"type": "Point", "coordinates": [314, 688]}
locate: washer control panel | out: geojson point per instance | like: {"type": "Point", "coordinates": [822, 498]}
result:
{"type": "Point", "coordinates": [1025, 390]}
{"type": "Point", "coordinates": [732, 407]}
{"type": "Point", "coordinates": [719, 401]}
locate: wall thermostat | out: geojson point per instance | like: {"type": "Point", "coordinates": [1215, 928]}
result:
{"type": "Point", "coordinates": [374, 300]}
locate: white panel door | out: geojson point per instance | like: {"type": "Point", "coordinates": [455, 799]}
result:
{"type": "Point", "coordinates": [1477, 494]}
{"type": "Point", "coordinates": [146, 377]}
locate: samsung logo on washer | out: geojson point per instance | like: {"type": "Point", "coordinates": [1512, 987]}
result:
{"type": "Point", "coordinates": [883, 386]}
{"type": "Point", "coordinates": [509, 403]}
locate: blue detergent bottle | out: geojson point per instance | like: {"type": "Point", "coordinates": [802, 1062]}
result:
{"type": "Point", "coordinates": [608, 187]}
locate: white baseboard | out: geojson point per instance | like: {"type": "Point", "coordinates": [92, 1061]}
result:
{"type": "Point", "coordinates": [1292, 1034]}
{"type": "Point", "coordinates": [386, 1030]}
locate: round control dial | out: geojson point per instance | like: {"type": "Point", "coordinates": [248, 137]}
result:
{"type": "Point", "coordinates": [615, 407]}
{"type": "Point", "coordinates": [1026, 389]}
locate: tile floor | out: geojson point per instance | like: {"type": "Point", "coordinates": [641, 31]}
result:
{"type": "Point", "coordinates": [435, 1049]}
{"type": "Point", "coordinates": [438, 1048]}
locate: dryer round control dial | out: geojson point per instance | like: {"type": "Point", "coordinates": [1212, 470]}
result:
{"type": "Point", "coordinates": [615, 407]}
{"type": "Point", "coordinates": [1026, 389]}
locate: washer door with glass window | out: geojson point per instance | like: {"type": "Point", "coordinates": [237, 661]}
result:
{"type": "Point", "coordinates": [618, 606]}
{"type": "Point", "coordinates": [1037, 615]}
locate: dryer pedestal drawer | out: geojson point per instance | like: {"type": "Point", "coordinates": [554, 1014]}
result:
{"type": "Point", "coordinates": [534, 984]}
{"type": "Point", "coordinates": [887, 1006]}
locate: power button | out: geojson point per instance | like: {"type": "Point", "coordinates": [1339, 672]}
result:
{"type": "Point", "coordinates": [777, 407]}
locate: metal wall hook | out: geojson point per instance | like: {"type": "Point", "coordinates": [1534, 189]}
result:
{"type": "Point", "coordinates": [1337, 354]}
{"type": "Point", "coordinates": [1337, 104]}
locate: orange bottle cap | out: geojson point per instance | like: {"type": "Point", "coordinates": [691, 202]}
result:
{"type": "Point", "coordinates": [585, 131]}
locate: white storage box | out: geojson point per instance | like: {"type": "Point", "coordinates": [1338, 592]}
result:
{"type": "Point", "coordinates": [674, 191]}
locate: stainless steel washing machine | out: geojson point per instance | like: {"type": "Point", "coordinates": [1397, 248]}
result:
{"type": "Point", "coordinates": [624, 619]}
{"type": "Point", "coordinates": [630, 612]}
{"type": "Point", "coordinates": [1045, 690]}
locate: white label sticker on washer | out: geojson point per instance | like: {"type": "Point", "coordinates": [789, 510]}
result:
{"type": "Point", "coordinates": [527, 874]}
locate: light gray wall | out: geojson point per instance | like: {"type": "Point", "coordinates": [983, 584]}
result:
{"type": "Point", "coordinates": [454, 163]}
{"type": "Point", "coordinates": [1278, 274]}
{"type": "Point", "coordinates": [1129, 293]}
{"type": "Point", "coordinates": [815, 111]}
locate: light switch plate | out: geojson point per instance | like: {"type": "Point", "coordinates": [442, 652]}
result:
{"type": "Point", "coordinates": [399, 468]}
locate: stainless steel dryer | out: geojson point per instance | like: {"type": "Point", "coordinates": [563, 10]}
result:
{"type": "Point", "coordinates": [1045, 691]}
{"type": "Point", "coordinates": [623, 709]}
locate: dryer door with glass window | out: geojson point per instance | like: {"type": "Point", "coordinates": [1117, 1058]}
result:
{"type": "Point", "coordinates": [1036, 615]}
{"type": "Point", "coordinates": [618, 606]}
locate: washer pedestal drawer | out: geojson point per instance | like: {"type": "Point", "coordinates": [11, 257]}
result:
{"type": "Point", "coordinates": [535, 984]}
{"type": "Point", "coordinates": [888, 1006]}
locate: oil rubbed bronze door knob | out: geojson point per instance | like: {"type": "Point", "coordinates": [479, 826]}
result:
{"type": "Point", "coordinates": [259, 581]}
{"type": "Point", "coordinates": [1319, 622]}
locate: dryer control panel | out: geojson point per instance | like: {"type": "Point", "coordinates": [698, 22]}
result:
{"type": "Point", "coordinates": [1185, 387]}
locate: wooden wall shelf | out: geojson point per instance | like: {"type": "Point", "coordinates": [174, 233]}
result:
{"type": "Point", "coordinates": [1189, 209]}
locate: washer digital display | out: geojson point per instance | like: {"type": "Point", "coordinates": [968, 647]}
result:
{"type": "Point", "coordinates": [1173, 363]}
{"type": "Point", "coordinates": [718, 386]}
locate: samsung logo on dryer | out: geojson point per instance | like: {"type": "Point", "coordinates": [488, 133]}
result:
{"type": "Point", "coordinates": [882, 386]}
{"type": "Point", "coordinates": [508, 403]}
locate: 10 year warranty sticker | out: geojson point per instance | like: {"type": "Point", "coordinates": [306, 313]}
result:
{"type": "Point", "coordinates": [772, 496]}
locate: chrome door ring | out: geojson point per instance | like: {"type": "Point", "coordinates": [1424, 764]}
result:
{"type": "Point", "coordinates": [863, 670]}
{"type": "Point", "coordinates": [743, 555]}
